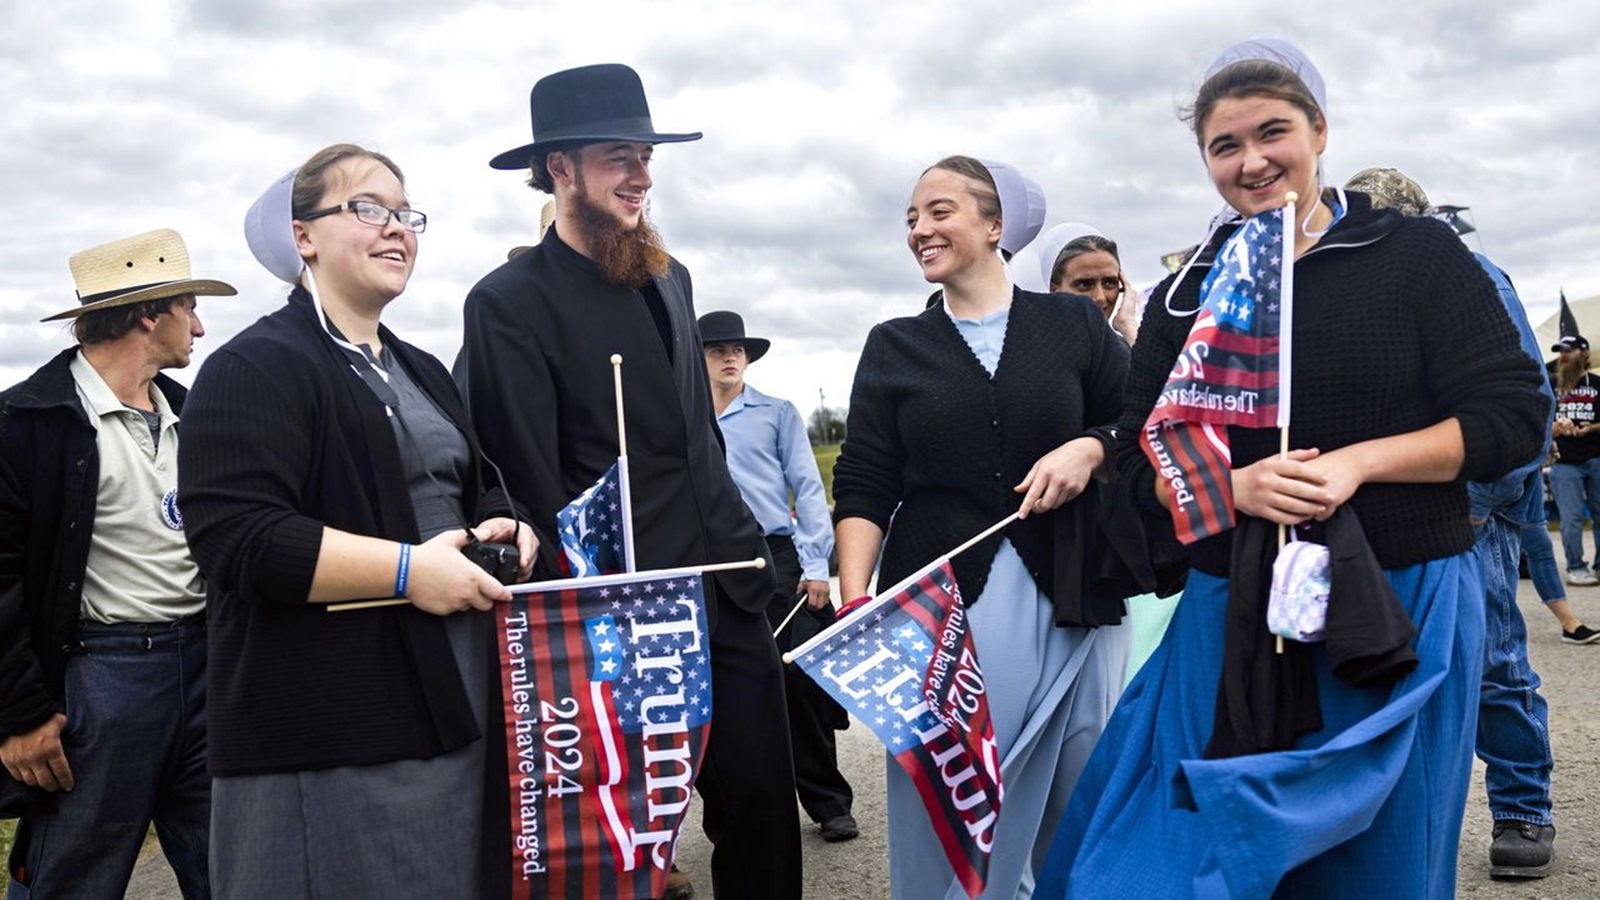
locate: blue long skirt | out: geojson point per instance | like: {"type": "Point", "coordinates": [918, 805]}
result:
{"type": "Point", "coordinates": [1370, 806]}
{"type": "Point", "coordinates": [1050, 692]}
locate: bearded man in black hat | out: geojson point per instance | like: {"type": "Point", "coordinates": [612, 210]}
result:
{"type": "Point", "coordinates": [535, 367]}
{"type": "Point", "coordinates": [102, 607]}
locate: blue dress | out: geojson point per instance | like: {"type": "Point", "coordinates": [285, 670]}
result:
{"type": "Point", "coordinates": [1370, 806]}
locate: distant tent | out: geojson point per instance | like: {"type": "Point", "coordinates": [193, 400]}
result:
{"type": "Point", "coordinates": [1549, 330]}
{"type": "Point", "coordinates": [1451, 215]}
{"type": "Point", "coordinates": [1569, 322]}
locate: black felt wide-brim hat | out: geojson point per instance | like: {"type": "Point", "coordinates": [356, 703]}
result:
{"type": "Point", "coordinates": [587, 105]}
{"type": "Point", "coordinates": [723, 326]}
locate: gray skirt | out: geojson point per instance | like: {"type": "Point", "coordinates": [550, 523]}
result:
{"type": "Point", "coordinates": [403, 829]}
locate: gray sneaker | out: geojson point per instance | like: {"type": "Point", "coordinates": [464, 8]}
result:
{"type": "Point", "coordinates": [1582, 578]}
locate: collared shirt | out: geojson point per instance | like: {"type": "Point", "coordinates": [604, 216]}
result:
{"type": "Point", "coordinates": [771, 459]}
{"type": "Point", "coordinates": [139, 566]}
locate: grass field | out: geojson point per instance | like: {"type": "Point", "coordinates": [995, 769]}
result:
{"type": "Point", "coordinates": [7, 827]}
{"type": "Point", "coordinates": [827, 455]}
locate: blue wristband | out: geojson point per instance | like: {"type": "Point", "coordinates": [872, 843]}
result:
{"type": "Point", "coordinates": [402, 572]}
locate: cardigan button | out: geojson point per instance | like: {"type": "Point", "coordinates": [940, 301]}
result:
{"type": "Point", "coordinates": [994, 423]}
{"type": "Point", "coordinates": [997, 476]}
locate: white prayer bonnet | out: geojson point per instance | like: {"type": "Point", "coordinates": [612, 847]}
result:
{"type": "Point", "coordinates": [1054, 241]}
{"type": "Point", "coordinates": [1022, 206]}
{"type": "Point", "coordinates": [269, 230]}
{"type": "Point", "coordinates": [1277, 50]}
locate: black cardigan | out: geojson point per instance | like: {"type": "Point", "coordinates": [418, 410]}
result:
{"type": "Point", "coordinates": [931, 432]}
{"type": "Point", "coordinates": [281, 437]}
{"type": "Point", "coordinates": [1397, 328]}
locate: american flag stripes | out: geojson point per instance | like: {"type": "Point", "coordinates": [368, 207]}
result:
{"type": "Point", "coordinates": [1229, 373]}
{"type": "Point", "coordinates": [905, 666]}
{"type": "Point", "coordinates": [607, 687]}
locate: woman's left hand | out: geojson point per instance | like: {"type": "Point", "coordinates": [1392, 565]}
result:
{"type": "Point", "coordinates": [500, 530]}
{"type": "Point", "coordinates": [1060, 475]}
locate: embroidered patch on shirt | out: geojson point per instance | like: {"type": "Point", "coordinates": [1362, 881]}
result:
{"type": "Point", "coordinates": [169, 511]}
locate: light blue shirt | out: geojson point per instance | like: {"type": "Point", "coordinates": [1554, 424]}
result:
{"type": "Point", "coordinates": [986, 336]}
{"type": "Point", "coordinates": [771, 459]}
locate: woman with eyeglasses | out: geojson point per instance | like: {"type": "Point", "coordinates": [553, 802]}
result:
{"type": "Point", "coordinates": [326, 460]}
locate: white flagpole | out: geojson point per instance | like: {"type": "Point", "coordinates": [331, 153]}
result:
{"type": "Point", "coordinates": [624, 485]}
{"type": "Point", "coordinates": [1286, 346]}
{"type": "Point", "coordinates": [881, 597]}
{"type": "Point", "coordinates": [561, 584]}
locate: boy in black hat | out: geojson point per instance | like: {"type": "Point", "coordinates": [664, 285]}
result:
{"type": "Point", "coordinates": [771, 460]}
{"type": "Point", "coordinates": [539, 334]}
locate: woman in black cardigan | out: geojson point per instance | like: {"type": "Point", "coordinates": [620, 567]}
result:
{"type": "Point", "coordinates": [993, 397]}
{"type": "Point", "coordinates": [1232, 768]}
{"type": "Point", "coordinates": [325, 460]}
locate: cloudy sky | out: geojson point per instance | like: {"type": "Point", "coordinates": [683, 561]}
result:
{"type": "Point", "coordinates": [123, 117]}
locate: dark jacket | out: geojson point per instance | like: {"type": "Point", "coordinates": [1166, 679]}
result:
{"type": "Point", "coordinates": [1396, 328]}
{"type": "Point", "coordinates": [49, 478]}
{"type": "Point", "coordinates": [536, 370]}
{"type": "Point", "coordinates": [282, 438]}
{"type": "Point", "coordinates": [938, 444]}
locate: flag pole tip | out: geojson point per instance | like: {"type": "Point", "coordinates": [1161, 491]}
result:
{"type": "Point", "coordinates": [1292, 197]}
{"type": "Point", "coordinates": [759, 563]}
{"type": "Point", "coordinates": [616, 359]}
{"type": "Point", "coordinates": [788, 658]}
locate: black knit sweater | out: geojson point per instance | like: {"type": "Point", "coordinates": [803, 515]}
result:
{"type": "Point", "coordinates": [281, 438]}
{"type": "Point", "coordinates": [1396, 328]}
{"type": "Point", "coordinates": [932, 433]}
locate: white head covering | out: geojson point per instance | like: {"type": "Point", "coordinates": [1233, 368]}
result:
{"type": "Point", "coordinates": [1056, 239]}
{"type": "Point", "coordinates": [269, 230]}
{"type": "Point", "coordinates": [1278, 50]}
{"type": "Point", "coordinates": [1021, 206]}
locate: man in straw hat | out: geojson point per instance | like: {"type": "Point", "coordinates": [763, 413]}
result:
{"type": "Point", "coordinates": [771, 460]}
{"type": "Point", "coordinates": [102, 629]}
{"type": "Point", "coordinates": [539, 334]}
{"type": "Point", "coordinates": [1513, 719]}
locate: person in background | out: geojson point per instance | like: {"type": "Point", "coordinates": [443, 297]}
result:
{"type": "Point", "coordinates": [992, 396]}
{"type": "Point", "coordinates": [1513, 718]}
{"type": "Point", "coordinates": [1575, 477]}
{"type": "Point", "coordinates": [771, 462]}
{"type": "Point", "coordinates": [102, 608]}
{"type": "Point", "coordinates": [326, 460]}
{"type": "Point", "coordinates": [1089, 265]}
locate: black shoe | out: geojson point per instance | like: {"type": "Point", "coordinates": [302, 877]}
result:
{"type": "Point", "coordinates": [1583, 634]}
{"type": "Point", "coordinates": [839, 828]}
{"type": "Point", "coordinates": [1521, 850]}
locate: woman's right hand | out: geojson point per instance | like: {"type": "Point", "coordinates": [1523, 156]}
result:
{"type": "Point", "coordinates": [1280, 489]}
{"type": "Point", "coordinates": [443, 581]}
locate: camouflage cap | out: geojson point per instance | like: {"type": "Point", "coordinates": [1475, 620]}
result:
{"type": "Point", "coordinates": [1391, 188]}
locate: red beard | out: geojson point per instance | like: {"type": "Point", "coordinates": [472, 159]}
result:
{"type": "Point", "coordinates": [627, 257]}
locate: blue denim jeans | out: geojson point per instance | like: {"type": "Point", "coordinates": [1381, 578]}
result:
{"type": "Point", "coordinates": [1513, 720]}
{"type": "Point", "coordinates": [1541, 556]}
{"type": "Point", "coordinates": [1577, 489]}
{"type": "Point", "coordinates": [136, 742]}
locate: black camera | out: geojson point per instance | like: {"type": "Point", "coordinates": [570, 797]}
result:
{"type": "Point", "coordinates": [499, 560]}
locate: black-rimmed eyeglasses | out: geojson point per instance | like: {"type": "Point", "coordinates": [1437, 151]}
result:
{"type": "Point", "coordinates": [375, 214]}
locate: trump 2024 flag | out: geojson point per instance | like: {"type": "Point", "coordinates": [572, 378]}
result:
{"type": "Point", "coordinates": [607, 687]}
{"type": "Point", "coordinates": [906, 667]}
{"type": "Point", "coordinates": [1230, 372]}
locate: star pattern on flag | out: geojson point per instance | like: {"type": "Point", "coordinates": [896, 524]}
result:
{"type": "Point", "coordinates": [654, 648]}
{"type": "Point", "coordinates": [591, 528]}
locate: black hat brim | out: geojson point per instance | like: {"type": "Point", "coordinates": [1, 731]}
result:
{"type": "Point", "coordinates": [519, 157]}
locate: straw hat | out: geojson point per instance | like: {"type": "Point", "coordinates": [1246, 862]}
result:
{"type": "Point", "coordinates": [147, 266]}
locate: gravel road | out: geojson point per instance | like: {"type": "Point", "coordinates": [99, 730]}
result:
{"type": "Point", "coordinates": [858, 869]}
